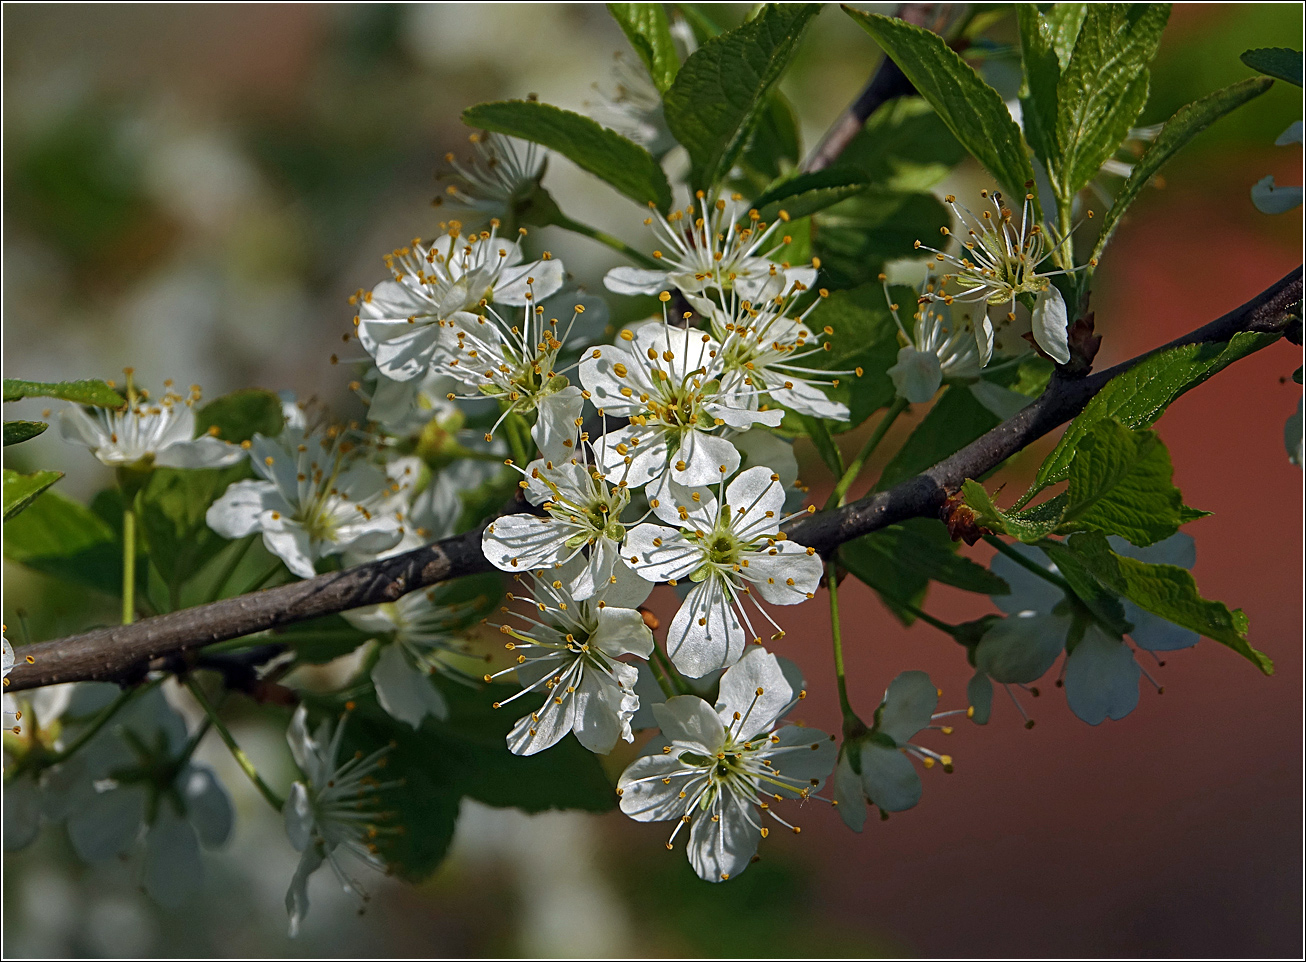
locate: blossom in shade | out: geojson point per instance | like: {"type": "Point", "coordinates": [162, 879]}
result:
{"type": "Point", "coordinates": [719, 770]}
{"type": "Point", "coordinates": [1266, 195]}
{"type": "Point", "coordinates": [765, 351]}
{"type": "Point", "coordinates": [335, 808]}
{"type": "Point", "coordinates": [501, 173]}
{"type": "Point", "coordinates": [730, 548]}
{"type": "Point", "coordinates": [318, 495]}
{"type": "Point", "coordinates": [634, 107]}
{"type": "Point", "coordinates": [666, 381]}
{"type": "Point", "coordinates": [998, 263]}
{"type": "Point", "coordinates": [147, 432]}
{"type": "Point", "coordinates": [400, 321]}
{"type": "Point", "coordinates": [721, 246]}
{"type": "Point", "coordinates": [569, 650]}
{"type": "Point", "coordinates": [875, 766]}
{"type": "Point", "coordinates": [940, 344]}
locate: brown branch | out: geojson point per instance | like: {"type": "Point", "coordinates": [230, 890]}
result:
{"type": "Point", "coordinates": [116, 653]}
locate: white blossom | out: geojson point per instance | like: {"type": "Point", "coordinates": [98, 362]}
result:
{"type": "Point", "coordinates": [145, 433]}
{"type": "Point", "coordinates": [720, 770]}
{"type": "Point", "coordinates": [401, 321]}
{"type": "Point", "coordinates": [318, 496]}
{"type": "Point", "coordinates": [582, 513]}
{"type": "Point", "coordinates": [707, 248]}
{"type": "Point", "coordinates": [634, 107]}
{"type": "Point", "coordinates": [501, 173]}
{"type": "Point", "coordinates": [999, 262]}
{"type": "Point", "coordinates": [729, 548]}
{"type": "Point", "coordinates": [666, 381]}
{"type": "Point", "coordinates": [875, 766]}
{"type": "Point", "coordinates": [335, 808]}
{"type": "Point", "coordinates": [762, 350]}
{"type": "Point", "coordinates": [569, 650]}
{"type": "Point", "coordinates": [1266, 195]}
{"type": "Point", "coordinates": [939, 345]}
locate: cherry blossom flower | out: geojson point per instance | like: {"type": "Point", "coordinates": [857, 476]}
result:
{"type": "Point", "coordinates": [501, 173]}
{"type": "Point", "coordinates": [939, 345]}
{"type": "Point", "coordinates": [569, 650]}
{"type": "Point", "coordinates": [729, 548]}
{"type": "Point", "coordinates": [719, 770]}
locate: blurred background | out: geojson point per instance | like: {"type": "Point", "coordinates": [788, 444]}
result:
{"type": "Point", "coordinates": [195, 190]}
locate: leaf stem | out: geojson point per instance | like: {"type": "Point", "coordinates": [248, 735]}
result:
{"type": "Point", "coordinates": [593, 233]}
{"type": "Point", "coordinates": [836, 640]}
{"type": "Point", "coordinates": [663, 681]}
{"type": "Point", "coordinates": [237, 752]}
{"type": "Point", "coordinates": [661, 660]}
{"type": "Point", "coordinates": [1031, 566]}
{"type": "Point", "coordinates": [840, 493]}
{"type": "Point", "coordinates": [926, 617]}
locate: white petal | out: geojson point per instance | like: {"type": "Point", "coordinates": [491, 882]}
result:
{"type": "Point", "coordinates": [205, 452]}
{"type": "Point", "coordinates": [848, 794]}
{"type": "Point", "coordinates": [555, 427]}
{"type": "Point", "coordinates": [404, 351]}
{"type": "Point", "coordinates": [809, 767]}
{"type": "Point", "coordinates": [1270, 199]}
{"type": "Point", "coordinates": [22, 813]}
{"type": "Point", "coordinates": [622, 631]}
{"type": "Point", "coordinates": [624, 588]}
{"type": "Point", "coordinates": [545, 279]}
{"type": "Point", "coordinates": [404, 689]}
{"type": "Point", "coordinates": [604, 708]}
{"type": "Point", "coordinates": [297, 894]}
{"type": "Point", "coordinates": [700, 515]}
{"type": "Point", "coordinates": [759, 669]}
{"type": "Point", "coordinates": [290, 542]}
{"type": "Point", "coordinates": [889, 778]}
{"type": "Point", "coordinates": [917, 375]}
{"type": "Point", "coordinates": [544, 727]}
{"type": "Point", "coordinates": [107, 823]}
{"type": "Point", "coordinates": [1049, 324]}
{"type": "Point", "coordinates": [690, 724]}
{"type": "Point", "coordinates": [523, 542]}
{"type": "Point", "coordinates": [806, 397]}
{"type": "Point", "coordinates": [78, 427]}
{"type": "Point", "coordinates": [236, 514]}
{"type": "Point", "coordinates": [1029, 592]}
{"type": "Point", "coordinates": [984, 338]}
{"type": "Point", "coordinates": [674, 558]}
{"type": "Point", "coordinates": [771, 574]}
{"type": "Point", "coordinates": [208, 807]}
{"type": "Point", "coordinates": [908, 703]}
{"type": "Point", "coordinates": [1101, 678]}
{"type": "Point", "coordinates": [298, 818]}
{"type": "Point", "coordinates": [756, 498]}
{"type": "Point", "coordinates": [705, 633]}
{"type": "Point", "coordinates": [173, 870]}
{"type": "Point", "coordinates": [1021, 648]}
{"type": "Point", "coordinates": [1292, 135]}
{"type": "Point", "coordinates": [645, 797]}
{"type": "Point", "coordinates": [998, 400]}
{"type": "Point", "coordinates": [721, 849]}
{"type": "Point", "coordinates": [979, 695]}
{"type": "Point", "coordinates": [706, 460]}
{"type": "Point", "coordinates": [636, 280]}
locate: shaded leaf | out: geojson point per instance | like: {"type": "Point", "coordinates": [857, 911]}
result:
{"type": "Point", "coordinates": [956, 419]}
{"type": "Point", "coordinates": [864, 335]}
{"type": "Point", "coordinates": [21, 489]}
{"type": "Point", "coordinates": [855, 238]}
{"type": "Point", "coordinates": [904, 146]}
{"type": "Point", "coordinates": [1279, 62]}
{"type": "Point", "coordinates": [59, 537]}
{"type": "Point", "coordinates": [95, 393]}
{"type": "Point", "coordinates": [238, 416]}
{"type": "Point", "coordinates": [17, 432]}
{"type": "Point", "coordinates": [805, 194]}
{"type": "Point", "coordinates": [646, 27]}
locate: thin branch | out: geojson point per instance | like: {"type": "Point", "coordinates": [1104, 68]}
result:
{"type": "Point", "coordinates": [114, 653]}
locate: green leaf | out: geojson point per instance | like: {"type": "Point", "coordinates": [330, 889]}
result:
{"type": "Point", "coordinates": [604, 153]}
{"type": "Point", "coordinates": [1102, 604]}
{"type": "Point", "coordinates": [805, 194]}
{"type": "Point", "coordinates": [646, 27]}
{"type": "Point", "coordinates": [96, 393]}
{"type": "Point", "coordinates": [172, 507]}
{"type": "Point", "coordinates": [956, 419]}
{"type": "Point", "coordinates": [1064, 21]}
{"type": "Point", "coordinates": [1030, 526]}
{"type": "Point", "coordinates": [1042, 66]}
{"type": "Point", "coordinates": [1278, 62]}
{"type": "Point", "coordinates": [699, 20]}
{"type": "Point", "coordinates": [855, 238]}
{"type": "Point", "coordinates": [59, 537]}
{"type": "Point", "coordinates": [1138, 396]}
{"type": "Point", "coordinates": [1103, 88]}
{"type": "Point", "coordinates": [22, 489]}
{"type": "Point", "coordinates": [721, 89]}
{"type": "Point", "coordinates": [904, 146]}
{"type": "Point", "coordinates": [971, 109]}
{"type": "Point", "coordinates": [17, 432]}
{"type": "Point", "coordinates": [1186, 123]}
{"type": "Point", "coordinates": [240, 415]}
{"type": "Point", "coordinates": [1120, 483]}
{"type": "Point", "coordinates": [899, 562]}
{"type": "Point", "coordinates": [773, 148]}
{"type": "Point", "coordinates": [1168, 591]}
{"type": "Point", "coordinates": [864, 335]}
{"type": "Point", "coordinates": [321, 640]}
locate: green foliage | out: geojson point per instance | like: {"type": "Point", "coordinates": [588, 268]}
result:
{"type": "Point", "coordinates": [806, 194]}
{"type": "Point", "coordinates": [774, 147]}
{"type": "Point", "coordinates": [240, 415]}
{"type": "Point", "coordinates": [171, 508]}
{"type": "Point", "coordinates": [628, 167]}
{"type": "Point", "coordinates": [1138, 396]}
{"type": "Point", "coordinates": [21, 489]}
{"type": "Point", "coordinates": [91, 392]}
{"type": "Point", "coordinates": [899, 562]}
{"type": "Point", "coordinates": [59, 537]}
{"type": "Point", "coordinates": [1103, 604]}
{"type": "Point", "coordinates": [17, 432]}
{"type": "Point", "coordinates": [1030, 525]}
{"type": "Point", "coordinates": [864, 335]}
{"type": "Point", "coordinates": [1102, 90]}
{"type": "Point", "coordinates": [1186, 124]}
{"type": "Point", "coordinates": [855, 238]}
{"type": "Point", "coordinates": [904, 146]}
{"type": "Point", "coordinates": [649, 32]}
{"type": "Point", "coordinates": [818, 430]}
{"type": "Point", "coordinates": [1168, 591]}
{"type": "Point", "coordinates": [956, 419]}
{"type": "Point", "coordinates": [722, 88]}
{"type": "Point", "coordinates": [321, 640]}
{"type": "Point", "coordinates": [971, 109]}
{"type": "Point", "coordinates": [1278, 62]}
